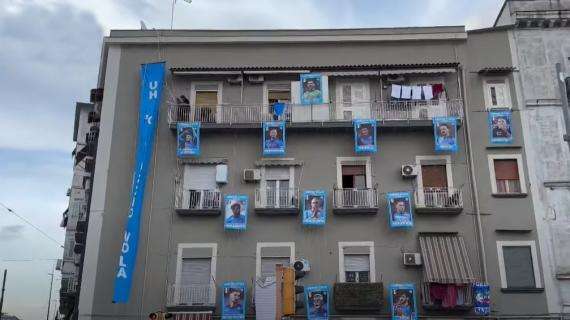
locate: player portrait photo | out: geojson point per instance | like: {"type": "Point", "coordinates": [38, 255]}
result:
{"type": "Point", "coordinates": [233, 300]}
{"type": "Point", "coordinates": [314, 208]}
{"type": "Point", "coordinates": [445, 132]}
{"type": "Point", "coordinates": [365, 136]}
{"type": "Point", "coordinates": [402, 302]}
{"type": "Point", "coordinates": [311, 88]}
{"type": "Point", "coordinates": [273, 138]}
{"type": "Point", "coordinates": [500, 129]}
{"type": "Point", "coordinates": [188, 139]}
{"type": "Point", "coordinates": [235, 209]}
{"type": "Point", "coordinates": [400, 209]}
{"type": "Point", "coordinates": [317, 301]}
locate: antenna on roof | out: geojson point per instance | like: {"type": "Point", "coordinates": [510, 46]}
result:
{"type": "Point", "coordinates": [143, 25]}
{"type": "Point", "coordinates": [172, 13]}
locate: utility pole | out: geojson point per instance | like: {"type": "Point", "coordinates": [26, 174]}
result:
{"type": "Point", "coordinates": [49, 298]}
{"type": "Point", "coordinates": [3, 289]}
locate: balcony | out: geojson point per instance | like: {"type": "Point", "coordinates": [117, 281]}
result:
{"type": "Point", "coordinates": [355, 201]}
{"type": "Point", "coordinates": [271, 201]}
{"type": "Point", "coordinates": [388, 113]}
{"type": "Point", "coordinates": [463, 298]}
{"type": "Point", "coordinates": [198, 202]}
{"type": "Point", "coordinates": [351, 297]}
{"type": "Point", "coordinates": [198, 297]}
{"type": "Point", "coordinates": [439, 200]}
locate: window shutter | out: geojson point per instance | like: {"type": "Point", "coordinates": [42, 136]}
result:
{"type": "Point", "coordinates": [357, 263]}
{"type": "Point", "coordinates": [200, 177]}
{"type": "Point", "coordinates": [506, 169]}
{"type": "Point", "coordinates": [295, 92]}
{"type": "Point", "coordinates": [206, 98]}
{"type": "Point", "coordinates": [519, 267]}
{"type": "Point", "coordinates": [434, 176]}
{"type": "Point", "coordinates": [353, 170]}
{"type": "Point", "coordinates": [195, 271]}
{"type": "Point", "coordinates": [268, 265]}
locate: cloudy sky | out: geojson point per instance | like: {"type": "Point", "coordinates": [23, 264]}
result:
{"type": "Point", "coordinates": [49, 60]}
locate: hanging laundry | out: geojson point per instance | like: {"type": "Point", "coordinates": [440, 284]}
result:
{"type": "Point", "coordinates": [416, 93]}
{"type": "Point", "coordinates": [406, 92]}
{"type": "Point", "coordinates": [428, 92]}
{"type": "Point", "coordinates": [437, 89]}
{"type": "Point", "coordinates": [450, 298]}
{"type": "Point", "coordinates": [396, 91]}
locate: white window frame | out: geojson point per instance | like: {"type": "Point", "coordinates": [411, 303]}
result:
{"type": "Point", "coordinates": [260, 245]}
{"type": "Point", "coordinates": [266, 90]}
{"type": "Point", "coordinates": [193, 90]}
{"type": "Point", "coordinates": [534, 256]}
{"type": "Point", "coordinates": [352, 161]}
{"type": "Point", "coordinates": [179, 257]}
{"type": "Point", "coordinates": [516, 156]}
{"type": "Point", "coordinates": [487, 92]}
{"type": "Point", "coordinates": [369, 245]}
{"type": "Point", "coordinates": [429, 160]}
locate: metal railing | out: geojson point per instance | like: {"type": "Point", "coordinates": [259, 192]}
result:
{"type": "Point", "coordinates": [439, 198]}
{"type": "Point", "coordinates": [277, 198]}
{"type": "Point", "coordinates": [507, 186]}
{"type": "Point", "coordinates": [464, 297]}
{"type": "Point", "coordinates": [355, 198]}
{"type": "Point", "coordinates": [68, 285]}
{"type": "Point", "coordinates": [191, 199]}
{"type": "Point", "coordinates": [192, 295]}
{"type": "Point", "coordinates": [256, 113]}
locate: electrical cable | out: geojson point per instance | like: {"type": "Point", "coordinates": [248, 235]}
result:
{"type": "Point", "coordinates": [31, 224]}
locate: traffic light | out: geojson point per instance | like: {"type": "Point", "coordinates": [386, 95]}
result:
{"type": "Point", "coordinates": [290, 291]}
{"type": "Point", "coordinates": [159, 315]}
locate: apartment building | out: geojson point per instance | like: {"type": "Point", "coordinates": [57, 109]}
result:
{"type": "Point", "coordinates": [472, 208]}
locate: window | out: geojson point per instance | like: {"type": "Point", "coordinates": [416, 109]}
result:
{"type": "Point", "coordinates": [497, 94]}
{"type": "Point", "coordinates": [354, 172]}
{"type": "Point", "coordinates": [518, 264]}
{"type": "Point", "coordinates": [199, 188]}
{"type": "Point", "coordinates": [356, 262]}
{"type": "Point", "coordinates": [195, 274]}
{"type": "Point", "coordinates": [205, 97]}
{"type": "Point", "coordinates": [507, 177]}
{"type": "Point", "coordinates": [277, 188]}
{"type": "Point", "coordinates": [435, 183]}
{"type": "Point", "coordinates": [195, 271]}
{"type": "Point", "coordinates": [269, 254]}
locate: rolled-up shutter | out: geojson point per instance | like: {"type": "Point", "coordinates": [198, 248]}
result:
{"type": "Point", "coordinates": [195, 271]}
{"type": "Point", "coordinates": [357, 262]}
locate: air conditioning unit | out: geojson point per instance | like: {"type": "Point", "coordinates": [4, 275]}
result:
{"type": "Point", "coordinates": [255, 79]}
{"type": "Point", "coordinates": [409, 170]}
{"type": "Point", "coordinates": [302, 265]}
{"type": "Point", "coordinates": [235, 80]}
{"type": "Point", "coordinates": [251, 175]}
{"type": "Point", "coordinates": [412, 259]}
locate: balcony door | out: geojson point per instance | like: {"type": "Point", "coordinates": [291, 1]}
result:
{"type": "Point", "coordinates": [205, 100]}
{"type": "Point", "coordinates": [194, 287]}
{"type": "Point", "coordinates": [353, 192]}
{"type": "Point", "coordinates": [278, 189]}
{"type": "Point", "coordinates": [353, 100]}
{"type": "Point", "coordinates": [199, 184]}
{"type": "Point", "coordinates": [434, 180]}
{"type": "Point", "coordinates": [353, 177]}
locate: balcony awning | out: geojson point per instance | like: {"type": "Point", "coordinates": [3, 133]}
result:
{"type": "Point", "coordinates": [351, 73]}
{"type": "Point", "coordinates": [496, 70]}
{"type": "Point", "coordinates": [205, 161]}
{"type": "Point", "coordinates": [418, 70]}
{"type": "Point", "coordinates": [193, 316]}
{"type": "Point", "coordinates": [445, 258]}
{"type": "Point", "coordinates": [277, 163]}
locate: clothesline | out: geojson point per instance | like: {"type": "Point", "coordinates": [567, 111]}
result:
{"type": "Point", "coordinates": [416, 92]}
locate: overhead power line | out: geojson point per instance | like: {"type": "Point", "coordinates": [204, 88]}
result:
{"type": "Point", "coordinates": [30, 224]}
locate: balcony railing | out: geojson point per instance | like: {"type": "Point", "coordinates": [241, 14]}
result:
{"type": "Point", "coordinates": [409, 110]}
{"type": "Point", "coordinates": [191, 200]}
{"type": "Point", "coordinates": [355, 198]}
{"type": "Point", "coordinates": [439, 199]}
{"type": "Point", "coordinates": [192, 295]}
{"type": "Point", "coordinates": [508, 186]}
{"type": "Point", "coordinates": [273, 200]}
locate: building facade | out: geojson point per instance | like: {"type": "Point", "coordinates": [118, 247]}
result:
{"type": "Point", "coordinates": [473, 217]}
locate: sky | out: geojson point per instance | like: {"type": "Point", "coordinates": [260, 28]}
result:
{"type": "Point", "coordinates": [49, 60]}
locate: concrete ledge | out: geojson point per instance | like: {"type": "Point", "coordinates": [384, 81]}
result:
{"type": "Point", "coordinates": [522, 290]}
{"type": "Point", "coordinates": [509, 195]}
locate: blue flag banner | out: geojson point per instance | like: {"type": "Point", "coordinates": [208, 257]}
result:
{"type": "Point", "coordinates": [311, 88]}
{"type": "Point", "coordinates": [152, 77]}
{"type": "Point", "coordinates": [403, 301]}
{"type": "Point", "coordinates": [400, 209]}
{"type": "Point", "coordinates": [188, 139]}
{"type": "Point", "coordinates": [273, 138]}
{"type": "Point", "coordinates": [500, 127]}
{"type": "Point", "coordinates": [235, 208]}
{"type": "Point", "coordinates": [445, 133]}
{"type": "Point", "coordinates": [233, 299]}
{"type": "Point", "coordinates": [317, 301]}
{"type": "Point", "coordinates": [314, 207]}
{"type": "Point", "coordinates": [365, 136]}
{"type": "Point", "coordinates": [482, 298]}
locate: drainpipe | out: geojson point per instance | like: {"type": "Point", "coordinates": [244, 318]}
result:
{"type": "Point", "coordinates": [473, 184]}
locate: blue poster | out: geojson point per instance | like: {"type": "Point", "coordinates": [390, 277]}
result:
{"type": "Point", "coordinates": [188, 139]}
{"type": "Point", "coordinates": [314, 207]}
{"type": "Point", "coordinates": [500, 127]}
{"type": "Point", "coordinates": [317, 302]}
{"type": "Point", "coordinates": [403, 301]}
{"type": "Point", "coordinates": [273, 138]}
{"type": "Point", "coordinates": [152, 76]}
{"type": "Point", "coordinates": [233, 299]}
{"type": "Point", "coordinates": [445, 133]}
{"type": "Point", "coordinates": [482, 297]}
{"type": "Point", "coordinates": [400, 209]}
{"type": "Point", "coordinates": [235, 208]}
{"type": "Point", "coordinates": [311, 88]}
{"type": "Point", "coordinates": [365, 136]}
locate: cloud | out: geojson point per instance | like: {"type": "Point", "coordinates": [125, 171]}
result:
{"type": "Point", "coordinates": [11, 232]}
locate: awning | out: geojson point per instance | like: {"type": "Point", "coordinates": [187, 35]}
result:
{"type": "Point", "coordinates": [445, 259]}
{"type": "Point", "coordinates": [351, 73]}
{"type": "Point", "coordinates": [421, 71]}
{"type": "Point", "coordinates": [277, 163]}
{"type": "Point", "coordinates": [193, 316]}
{"type": "Point", "coordinates": [204, 161]}
{"type": "Point", "coordinates": [496, 70]}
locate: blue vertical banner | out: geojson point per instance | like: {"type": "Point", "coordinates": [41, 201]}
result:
{"type": "Point", "coordinates": [314, 207]}
{"type": "Point", "coordinates": [317, 301]}
{"type": "Point", "coordinates": [188, 139]}
{"type": "Point", "coordinates": [403, 301]}
{"type": "Point", "coordinates": [482, 297]}
{"type": "Point", "coordinates": [445, 134]}
{"type": "Point", "coordinates": [500, 127]}
{"type": "Point", "coordinates": [274, 138]}
{"type": "Point", "coordinates": [400, 209]}
{"type": "Point", "coordinates": [152, 78]}
{"type": "Point", "coordinates": [365, 136]}
{"type": "Point", "coordinates": [233, 299]}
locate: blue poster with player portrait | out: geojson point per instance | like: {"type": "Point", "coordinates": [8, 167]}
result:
{"type": "Point", "coordinates": [403, 301]}
{"type": "Point", "coordinates": [311, 88]}
{"type": "Point", "coordinates": [500, 127]}
{"type": "Point", "coordinates": [317, 302]}
{"type": "Point", "coordinates": [314, 207]}
{"type": "Point", "coordinates": [235, 209]}
{"type": "Point", "coordinates": [365, 136]}
{"type": "Point", "coordinates": [273, 138]}
{"type": "Point", "coordinates": [233, 299]}
{"type": "Point", "coordinates": [188, 139]}
{"type": "Point", "coordinates": [400, 209]}
{"type": "Point", "coordinates": [445, 133]}
{"type": "Point", "coordinates": [482, 297]}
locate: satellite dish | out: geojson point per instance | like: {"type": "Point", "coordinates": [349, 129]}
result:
{"type": "Point", "coordinates": [143, 25]}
